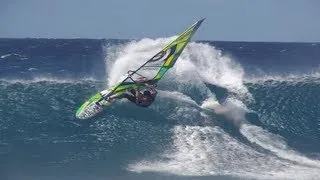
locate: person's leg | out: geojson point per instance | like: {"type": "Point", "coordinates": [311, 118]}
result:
{"type": "Point", "coordinates": [129, 94]}
{"type": "Point", "coordinates": [130, 97]}
{"type": "Point", "coordinates": [117, 96]}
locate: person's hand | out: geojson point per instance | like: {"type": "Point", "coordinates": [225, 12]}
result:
{"type": "Point", "coordinates": [151, 85]}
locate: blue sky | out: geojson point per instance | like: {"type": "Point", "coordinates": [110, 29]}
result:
{"type": "Point", "coordinates": [230, 20]}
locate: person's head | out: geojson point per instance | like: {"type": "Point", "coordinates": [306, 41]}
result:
{"type": "Point", "coordinates": [146, 97]}
{"type": "Point", "coordinates": [147, 93]}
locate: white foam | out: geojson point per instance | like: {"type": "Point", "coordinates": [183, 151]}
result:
{"type": "Point", "coordinates": [5, 56]}
{"type": "Point", "coordinates": [212, 104]}
{"type": "Point", "coordinates": [205, 151]}
{"type": "Point", "coordinates": [22, 57]}
{"type": "Point", "coordinates": [45, 79]}
{"type": "Point", "coordinates": [233, 109]}
{"type": "Point", "coordinates": [275, 144]}
{"type": "Point", "coordinates": [212, 67]}
{"type": "Point", "coordinates": [130, 56]}
{"type": "Point", "coordinates": [208, 150]}
{"type": "Point", "coordinates": [177, 96]}
{"type": "Point", "coordinates": [33, 69]}
{"type": "Point", "coordinates": [292, 78]}
{"type": "Point", "coordinates": [198, 63]}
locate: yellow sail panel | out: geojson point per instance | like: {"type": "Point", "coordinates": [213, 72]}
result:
{"type": "Point", "coordinates": [185, 36]}
{"type": "Point", "coordinates": [168, 61]}
{"type": "Point", "coordinates": [174, 49]}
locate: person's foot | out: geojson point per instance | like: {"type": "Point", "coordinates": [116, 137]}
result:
{"type": "Point", "coordinates": [110, 100]}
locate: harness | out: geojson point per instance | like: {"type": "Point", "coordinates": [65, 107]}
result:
{"type": "Point", "coordinates": [145, 100]}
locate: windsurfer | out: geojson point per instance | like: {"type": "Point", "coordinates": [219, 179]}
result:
{"type": "Point", "coordinates": [142, 98]}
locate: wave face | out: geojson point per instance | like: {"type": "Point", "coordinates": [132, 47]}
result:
{"type": "Point", "coordinates": [227, 110]}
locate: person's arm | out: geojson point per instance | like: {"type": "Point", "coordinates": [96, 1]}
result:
{"type": "Point", "coordinates": [137, 94]}
{"type": "Point", "coordinates": [151, 87]}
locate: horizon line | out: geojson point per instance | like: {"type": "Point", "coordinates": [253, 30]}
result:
{"type": "Point", "coordinates": [200, 40]}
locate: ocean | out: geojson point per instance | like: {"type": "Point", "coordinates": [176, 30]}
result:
{"type": "Point", "coordinates": [226, 110]}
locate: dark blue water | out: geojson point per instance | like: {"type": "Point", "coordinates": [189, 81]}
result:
{"type": "Point", "coordinates": [263, 121]}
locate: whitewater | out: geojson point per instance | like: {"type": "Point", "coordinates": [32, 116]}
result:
{"type": "Point", "coordinates": [222, 111]}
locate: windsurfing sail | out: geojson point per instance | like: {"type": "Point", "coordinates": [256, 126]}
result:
{"type": "Point", "coordinates": [155, 68]}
